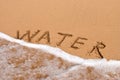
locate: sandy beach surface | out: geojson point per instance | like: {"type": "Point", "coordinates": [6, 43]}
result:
{"type": "Point", "coordinates": [92, 19]}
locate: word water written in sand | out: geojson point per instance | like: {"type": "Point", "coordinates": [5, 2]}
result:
{"type": "Point", "coordinates": [47, 38]}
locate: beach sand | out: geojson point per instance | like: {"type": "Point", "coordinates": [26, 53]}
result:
{"type": "Point", "coordinates": [92, 19]}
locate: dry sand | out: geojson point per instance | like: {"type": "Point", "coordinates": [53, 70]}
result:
{"type": "Point", "coordinates": [97, 20]}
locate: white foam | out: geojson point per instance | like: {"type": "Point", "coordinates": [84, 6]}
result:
{"type": "Point", "coordinates": [60, 53]}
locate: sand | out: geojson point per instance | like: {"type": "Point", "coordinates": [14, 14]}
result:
{"type": "Point", "coordinates": [91, 19]}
